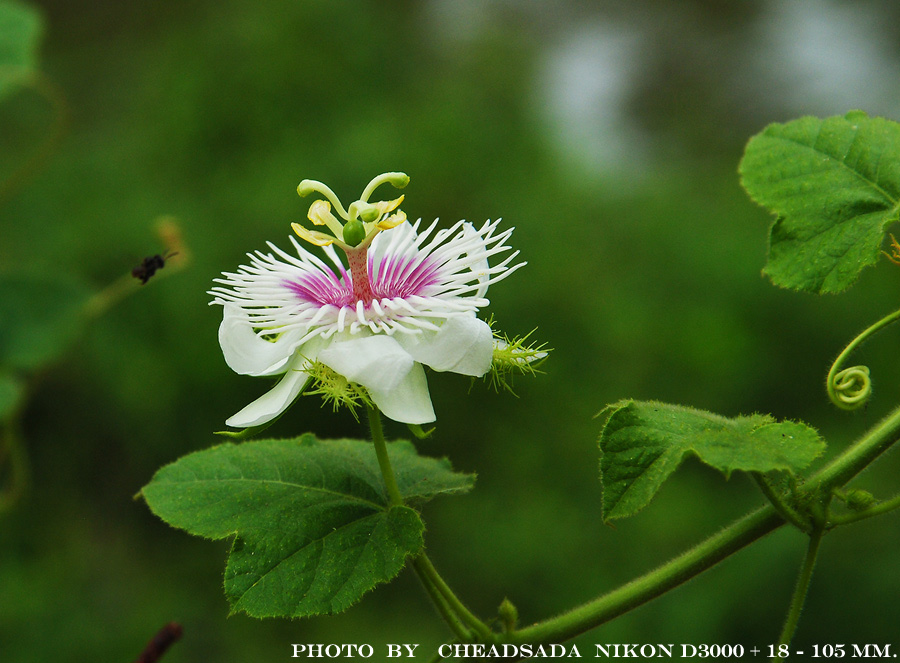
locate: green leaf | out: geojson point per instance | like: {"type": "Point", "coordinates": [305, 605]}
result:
{"type": "Point", "coordinates": [313, 526]}
{"type": "Point", "coordinates": [834, 185]}
{"type": "Point", "coordinates": [21, 27]}
{"type": "Point", "coordinates": [40, 315]}
{"type": "Point", "coordinates": [642, 443]}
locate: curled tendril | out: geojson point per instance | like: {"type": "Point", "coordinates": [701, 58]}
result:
{"type": "Point", "coordinates": [851, 388]}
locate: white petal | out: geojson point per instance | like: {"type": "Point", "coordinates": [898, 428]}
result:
{"type": "Point", "coordinates": [409, 402]}
{"type": "Point", "coordinates": [273, 402]}
{"type": "Point", "coordinates": [248, 354]}
{"type": "Point", "coordinates": [464, 344]}
{"type": "Point", "coordinates": [376, 362]}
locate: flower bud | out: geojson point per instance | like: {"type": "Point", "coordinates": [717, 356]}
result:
{"type": "Point", "coordinates": [859, 500]}
{"type": "Point", "coordinates": [509, 615]}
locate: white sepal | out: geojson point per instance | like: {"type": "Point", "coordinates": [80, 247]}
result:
{"type": "Point", "coordinates": [275, 401]}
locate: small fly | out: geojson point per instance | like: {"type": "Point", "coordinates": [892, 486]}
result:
{"type": "Point", "coordinates": [150, 265]}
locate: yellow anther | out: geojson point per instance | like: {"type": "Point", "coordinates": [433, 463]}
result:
{"type": "Point", "coordinates": [312, 236]}
{"type": "Point", "coordinates": [385, 206]}
{"type": "Point", "coordinates": [320, 214]}
{"type": "Point", "coordinates": [392, 221]}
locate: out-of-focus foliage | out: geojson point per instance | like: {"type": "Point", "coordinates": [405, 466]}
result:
{"type": "Point", "coordinates": [40, 316]}
{"type": "Point", "coordinates": [20, 31]}
{"type": "Point", "coordinates": [609, 134]}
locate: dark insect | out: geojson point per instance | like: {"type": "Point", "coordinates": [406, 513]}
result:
{"type": "Point", "coordinates": [149, 266]}
{"type": "Point", "coordinates": [164, 639]}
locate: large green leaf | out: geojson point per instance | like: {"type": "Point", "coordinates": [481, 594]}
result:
{"type": "Point", "coordinates": [39, 316]}
{"type": "Point", "coordinates": [314, 529]}
{"type": "Point", "coordinates": [642, 443]}
{"type": "Point", "coordinates": [834, 185]}
{"type": "Point", "coordinates": [20, 32]}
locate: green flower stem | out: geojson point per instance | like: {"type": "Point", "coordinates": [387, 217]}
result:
{"type": "Point", "coordinates": [799, 597]}
{"type": "Point", "coordinates": [444, 609]}
{"type": "Point", "coordinates": [668, 576]}
{"type": "Point", "coordinates": [387, 472]}
{"type": "Point", "coordinates": [427, 572]}
{"type": "Point", "coordinates": [783, 508]}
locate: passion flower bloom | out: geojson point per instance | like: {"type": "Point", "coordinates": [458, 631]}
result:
{"type": "Point", "coordinates": [407, 297]}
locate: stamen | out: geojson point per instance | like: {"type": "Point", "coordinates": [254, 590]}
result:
{"type": "Point", "coordinates": [392, 221]}
{"type": "Point", "coordinates": [320, 214]}
{"type": "Point", "coordinates": [312, 236]}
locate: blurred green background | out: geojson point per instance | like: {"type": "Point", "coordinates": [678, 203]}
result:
{"type": "Point", "coordinates": [608, 133]}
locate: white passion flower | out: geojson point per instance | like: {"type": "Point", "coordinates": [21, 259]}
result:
{"type": "Point", "coordinates": [407, 297]}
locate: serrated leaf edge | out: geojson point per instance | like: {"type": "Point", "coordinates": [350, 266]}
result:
{"type": "Point", "coordinates": [235, 606]}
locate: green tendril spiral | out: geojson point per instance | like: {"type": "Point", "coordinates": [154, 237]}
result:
{"type": "Point", "coordinates": [851, 388]}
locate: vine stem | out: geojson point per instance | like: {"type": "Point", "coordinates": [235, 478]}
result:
{"type": "Point", "coordinates": [444, 609]}
{"type": "Point", "coordinates": [799, 597]}
{"type": "Point", "coordinates": [783, 508]}
{"type": "Point", "coordinates": [859, 455]}
{"type": "Point", "coordinates": [641, 590]}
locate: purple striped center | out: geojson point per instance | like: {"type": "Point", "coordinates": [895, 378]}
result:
{"type": "Point", "coordinates": [322, 289]}
{"type": "Point", "coordinates": [402, 276]}
{"type": "Point", "coordinates": [397, 276]}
